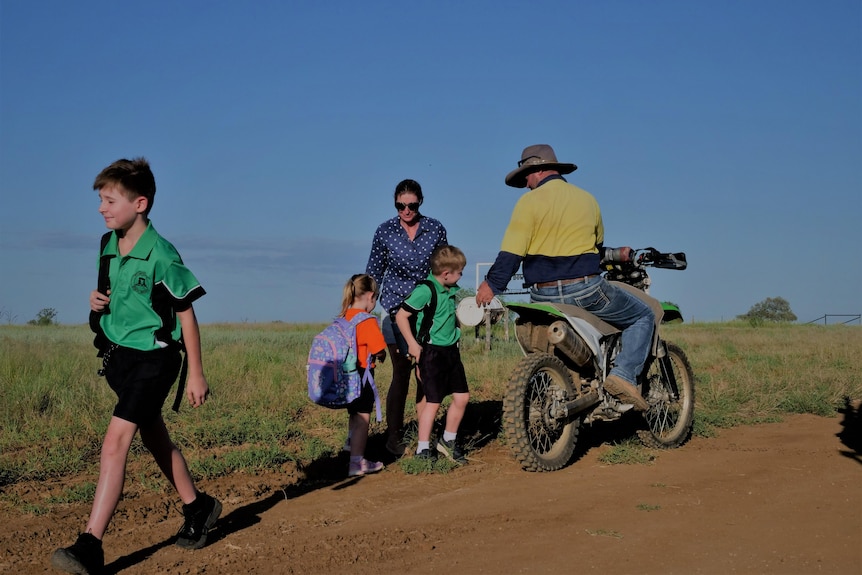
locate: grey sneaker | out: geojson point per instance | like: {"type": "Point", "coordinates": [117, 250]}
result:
{"type": "Point", "coordinates": [452, 451]}
{"type": "Point", "coordinates": [363, 467]}
{"type": "Point", "coordinates": [201, 514]}
{"type": "Point", "coordinates": [84, 557]}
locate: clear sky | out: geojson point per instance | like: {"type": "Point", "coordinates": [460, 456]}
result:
{"type": "Point", "coordinates": [730, 130]}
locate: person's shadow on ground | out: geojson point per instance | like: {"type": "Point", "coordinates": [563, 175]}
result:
{"type": "Point", "coordinates": [320, 474]}
{"type": "Point", "coordinates": [851, 435]}
{"type": "Point", "coordinates": [131, 559]}
{"type": "Point", "coordinates": [481, 425]}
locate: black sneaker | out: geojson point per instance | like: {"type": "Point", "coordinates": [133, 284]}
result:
{"type": "Point", "coordinates": [451, 450]}
{"type": "Point", "coordinates": [84, 557]}
{"type": "Point", "coordinates": [426, 455]}
{"type": "Point", "coordinates": [201, 514]}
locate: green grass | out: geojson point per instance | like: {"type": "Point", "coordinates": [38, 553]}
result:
{"type": "Point", "coordinates": [628, 452]}
{"type": "Point", "coordinates": [413, 466]}
{"type": "Point", "coordinates": [55, 409]}
{"type": "Point", "coordinates": [758, 374]}
{"type": "Point", "coordinates": [75, 494]}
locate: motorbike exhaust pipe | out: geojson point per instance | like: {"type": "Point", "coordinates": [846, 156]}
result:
{"type": "Point", "coordinates": [574, 407]}
{"type": "Point", "coordinates": [564, 338]}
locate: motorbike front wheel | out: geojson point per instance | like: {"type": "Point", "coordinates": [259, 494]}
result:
{"type": "Point", "coordinates": [541, 441]}
{"type": "Point", "coordinates": [670, 416]}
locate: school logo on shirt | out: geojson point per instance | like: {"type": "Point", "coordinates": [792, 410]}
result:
{"type": "Point", "coordinates": [140, 283]}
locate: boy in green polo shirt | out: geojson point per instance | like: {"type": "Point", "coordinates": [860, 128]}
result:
{"type": "Point", "coordinates": [439, 359]}
{"type": "Point", "coordinates": [141, 312]}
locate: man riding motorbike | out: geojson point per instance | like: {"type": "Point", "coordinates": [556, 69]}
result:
{"type": "Point", "coordinates": [556, 230]}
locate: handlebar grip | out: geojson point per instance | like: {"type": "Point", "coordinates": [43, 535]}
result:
{"type": "Point", "coordinates": [617, 255]}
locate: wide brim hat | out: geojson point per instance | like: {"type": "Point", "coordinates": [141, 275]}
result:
{"type": "Point", "coordinates": [534, 159]}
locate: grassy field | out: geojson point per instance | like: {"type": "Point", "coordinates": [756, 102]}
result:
{"type": "Point", "coordinates": [55, 408]}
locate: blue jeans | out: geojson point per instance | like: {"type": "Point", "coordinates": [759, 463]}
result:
{"type": "Point", "coordinates": [392, 335]}
{"type": "Point", "coordinates": [615, 306]}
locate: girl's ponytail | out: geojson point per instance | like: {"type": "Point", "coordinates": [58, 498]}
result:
{"type": "Point", "coordinates": [357, 286]}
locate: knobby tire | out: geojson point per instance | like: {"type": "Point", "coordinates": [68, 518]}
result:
{"type": "Point", "coordinates": [539, 442]}
{"type": "Point", "coordinates": [669, 420]}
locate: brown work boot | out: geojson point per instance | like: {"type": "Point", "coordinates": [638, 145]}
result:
{"type": "Point", "coordinates": [625, 392]}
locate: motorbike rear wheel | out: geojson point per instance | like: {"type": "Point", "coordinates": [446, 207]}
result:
{"type": "Point", "coordinates": [540, 441]}
{"type": "Point", "coordinates": [669, 419]}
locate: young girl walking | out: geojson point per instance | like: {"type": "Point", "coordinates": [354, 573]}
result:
{"type": "Point", "coordinates": [360, 295]}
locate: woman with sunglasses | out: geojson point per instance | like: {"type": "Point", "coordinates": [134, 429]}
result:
{"type": "Point", "coordinates": [400, 258]}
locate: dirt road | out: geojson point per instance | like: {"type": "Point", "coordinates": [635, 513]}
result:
{"type": "Point", "coordinates": [775, 498]}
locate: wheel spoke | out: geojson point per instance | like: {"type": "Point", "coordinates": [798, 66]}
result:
{"type": "Point", "coordinates": [669, 418]}
{"type": "Point", "coordinates": [540, 441]}
{"type": "Point", "coordinates": [540, 392]}
{"type": "Point", "coordinates": [663, 415]}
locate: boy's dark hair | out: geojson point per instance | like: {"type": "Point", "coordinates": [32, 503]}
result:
{"type": "Point", "coordinates": [133, 176]}
{"type": "Point", "coordinates": [447, 258]}
{"type": "Point", "coordinates": [409, 186]}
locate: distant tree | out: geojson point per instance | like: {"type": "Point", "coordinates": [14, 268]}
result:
{"type": "Point", "coordinates": [775, 309]}
{"type": "Point", "coordinates": [44, 317]}
{"type": "Point", "coordinates": [7, 313]}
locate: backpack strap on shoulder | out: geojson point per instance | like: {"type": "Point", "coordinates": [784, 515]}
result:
{"type": "Point", "coordinates": [424, 333]}
{"type": "Point", "coordinates": [360, 317]}
{"type": "Point", "coordinates": [104, 284]}
{"type": "Point", "coordinates": [184, 371]}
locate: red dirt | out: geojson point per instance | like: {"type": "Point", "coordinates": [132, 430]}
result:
{"type": "Point", "coordinates": [775, 498]}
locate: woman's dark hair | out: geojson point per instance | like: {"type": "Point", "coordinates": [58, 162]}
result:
{"type": "Point", "coordinates": [409, 186]}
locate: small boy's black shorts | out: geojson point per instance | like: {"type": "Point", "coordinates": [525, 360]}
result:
{"type": "Point", "coordinates": [365, 402]}
{"type": "Point", "coordinates": [442, 372]}
{"type": "Point", "coordinates": [142, 381]}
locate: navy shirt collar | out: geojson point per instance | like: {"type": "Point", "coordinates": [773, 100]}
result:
{"type": "Point", "coordinates": [551, 177]}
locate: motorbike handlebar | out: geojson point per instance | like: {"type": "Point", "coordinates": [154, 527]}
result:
{"type": "Point", "coordinates": [617, 255]}
{"type": "Point", "coordinates": [644, 257]}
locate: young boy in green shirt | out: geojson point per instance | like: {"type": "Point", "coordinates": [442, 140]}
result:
{"type": "Point", "coordinates": [439, 359]}
{"type": "Point", "coordinates": [138, 334]}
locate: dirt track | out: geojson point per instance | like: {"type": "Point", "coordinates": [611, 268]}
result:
{"type": "Point", "coordinates": [776, 498]}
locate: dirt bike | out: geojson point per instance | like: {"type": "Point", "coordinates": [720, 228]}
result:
{"type": "Point", "coordinates": [558, 385]}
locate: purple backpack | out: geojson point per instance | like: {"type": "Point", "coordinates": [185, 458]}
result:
{"type": "Point", "coordinates": [333, 369]}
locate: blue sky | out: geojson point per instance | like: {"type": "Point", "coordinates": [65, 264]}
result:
{"type": "Point", "coordinates": [277, 131]}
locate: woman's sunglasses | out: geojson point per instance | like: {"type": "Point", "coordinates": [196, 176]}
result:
{"type": "Point", "coordinates": [412, 206]}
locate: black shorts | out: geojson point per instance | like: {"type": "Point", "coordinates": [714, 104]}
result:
{"type": "Point", "coordinates": [365, 402]}
{"type": "Point", "coordinates": [442, 372]}
{"type": "Point", "coordinates": [142, 381]}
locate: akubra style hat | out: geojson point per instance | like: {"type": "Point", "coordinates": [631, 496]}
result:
{"type": "Point", "coordinates": [534, 159]}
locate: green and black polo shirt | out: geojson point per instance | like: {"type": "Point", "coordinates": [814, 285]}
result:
{"type": "Point", "coordinates": [444, 329]}
{"type": "Point", "coordinates": [148, 286]}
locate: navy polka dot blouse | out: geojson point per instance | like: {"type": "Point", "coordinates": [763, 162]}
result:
{"type": "Point", "coordinates": [397, 263]}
